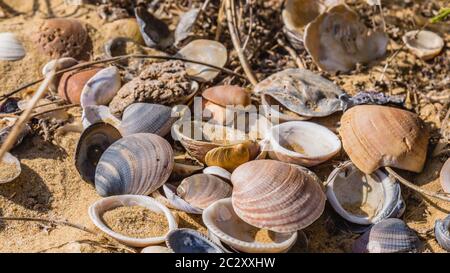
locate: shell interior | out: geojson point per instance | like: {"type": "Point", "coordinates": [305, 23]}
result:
{"type": "Point", "coordinates": [98, 113]}
{"type": "Point", "coordinates": [11, 160]}
{"type": "Point", "coordinates": [101, 88]}
{"type": "Point", "coordinates": [425, 44]}
{"type": "Point", "coordinates": [442, 232]}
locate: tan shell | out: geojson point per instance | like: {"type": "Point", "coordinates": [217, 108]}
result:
{"type": "Point", "coordinates": [201, 190]}
{"type": "Point", "coordinates": [375, 136]}
{"type": "Point", "coordinates": [427, 45]}
{"type": "Point", "coordinates": [277, 196]}
{"type": "Point", "coordinates": [337, 40]}
{"type": "Point", "coordinates": [72, 84]}
{"type": "Point", "coordinates": [227, 95]}
{"type": "Point", "coordinates": [445, 176]}
{"type": "Point", "coordinates": [231, 157]}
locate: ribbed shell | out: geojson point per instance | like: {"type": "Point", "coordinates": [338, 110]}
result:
{"type": "Point", "coordinates": [101, 88]}
{"type": "Point", "coordinates": [136, 164]}
{"type": "Point", "coordinates": [445, 176]}
{"type": "Point", "coordinates": [185, 240]}
{"type": "Point", "coordinates": [227, 95]}
{"type": "Point", "coordinates": [442, 233]}
{"type": "Point", "coordinates": [231, 157]}
{"type": "Point", "coordinates": [375, 136]}
{"type": "Point", "coordinates": [147, 118]}
{"type": "Point", "coordinates": [11, 49]}
{"type": "Point", "coordinates": [388, 236]}
{"type": "Point", "coordinates": [276, 195]}
{"type": "Point", "coordinates": [201, 190]}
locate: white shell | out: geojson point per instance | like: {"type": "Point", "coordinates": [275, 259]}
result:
{"type": "Point", "coordinates": [427, 45]}
{"type": "Point", "coordinates": [98, 113]}
{"type": "Point", "coordinates": [10, 159]}
{"type": "Point", "coordinates": [101, 88]}
{"type": "Point", "coordinates": [177, 202]}
{"type": "Point", "coordinates": [218, 171]}
{"type": "Point", "coordinates": [61, 64]}
{"type": "Point", "coordinates": [11, 49]}
{"type": "Point", "coordinates": [97, 209]}
{"type": "Point", "coordinates": [156, 249]}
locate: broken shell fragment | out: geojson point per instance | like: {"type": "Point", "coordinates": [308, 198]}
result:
{"type": "Point", "coordinates": [445, 176]}
{"type": "Point", "coordinates": [377, 136]}
{"type": "Point", "coordinates": [58, 65]}
{"type": "Point", "coordinates": [232, 156]}
{"type": "Point", "coordinates": [11, 168]}
{"type": "Point", "coordinates": [98, 113]}
{"type": "Point", "coordinates": [11, 49]}
{"type": "Point", "coordinates": [155, 32]}
{"type": "Point", "coordinates": [423, 43]}
{"type": "Point", "coordinates": [442, 232]}
{"type": "Point", "coordinates": [218, 171]}
{"type": "Point", "coordinates": [184, 240]}
{"type": "Point", "coordinates": [185, 25]}
{"type": "Point", "coordinates": [72, 83]}
{"type": "Point", "coordinates": [101, 88]}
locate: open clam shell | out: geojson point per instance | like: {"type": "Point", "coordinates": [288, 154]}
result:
{"type": "Point", "coordinates": [232, 156]}
{"type": "Point", "coordinates": [442, 232]}
{"type": "Point", "coordinates": [97, 209]}
{"type": "Point", "coordinates": [155, 32]}
{"type": "Point", "coordinates": [135, 164]}
{"type": "Point", "coordinates": [12, 168]}
{"type": "Point", "coordinates": [363, 199]}
{"type": "Point", "coordinates": [218, 171]}
{"type": "Point", "coordinates": [207, 51]}
{"type": "Point", "coordinates": [277, 196]}
{"type": "Point", "coordinates": [101, 88]}
{"type": "Point", "coordinates": [184, 240]}
{"type": "Point", "coordinates": [444, 177]}
{"type": "Point", "coordinates": [423, 43]}
{"type": "Point", "coordinates": [388, 236]}
{"type": "Point", "coordinates": [303, 143]}
{"type": "Point", "coordinates": [98, 113]}
{"type": "Point", "coordinates": [223, 222]}
{"type": "Point", "coordinates": [11, 49]}
{"type": "Point", "coordinates": [92, 144]}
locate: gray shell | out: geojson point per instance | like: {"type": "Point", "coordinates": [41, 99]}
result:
{"type": "Point", "coordinates": [303, 92]}
{"type": "Point", "coordinates": [137, 164]}
{"type": "Point", "coordinates": [11, 49]}
{"type": "Point", "coordinates": [388, 236]}
{"type": "Point", "coordinates": [442, 233]}
{"type": "Point", "coordinates": [184, 240]}
{"type": "Point", "coordinates": [156, 33]}
{"type": "Point", "coordinates": [147, 118]}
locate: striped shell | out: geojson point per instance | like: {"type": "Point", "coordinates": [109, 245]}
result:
{"type": "Point", "coordinates": [442, 232]}
{"type": "Point", "coordinates": [11, 49]}
{"type": "Point", "coordinates": [276, 196]}
{"type": "Point", "coordinates": [375, 136]}
{"type": "Point", "coordinates": [136, 164]}
{"type": "Point", "coordinates": [185, 240]}
{"type": "Point", "coordinates": [101, 88]}
{"type": "Point", "coordinates": [445, 176]}
{"type": "Point", "coordinates": [231, 157]}
{"type": "Point", "coordinates": [218, 171]}
{"type": "Point", "coordinates": [388, 236]}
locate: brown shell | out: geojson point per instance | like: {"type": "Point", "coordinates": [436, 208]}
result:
{"type": "Point", "coordinates": [277, 196]}
{"type": "Point", "coordinates": [62, 38]}
{"type": "Point", "coordinates": [72, 83]}
{"type": "Point", "coordinates": [231, 157]}
{"type": "Point", "coordinates": [375, 136]}
{"type": "Point", "coordinates": [225, 95]}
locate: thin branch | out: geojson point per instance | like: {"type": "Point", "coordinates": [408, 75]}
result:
{"type": "Point", "coordinates": [54, 109]}
{"type": "Point", "coordinates": [55, 222]}
{"type": "Point", "coordinates": [91, 242]}
{"type": "Point", "coordinates": [292, 52]}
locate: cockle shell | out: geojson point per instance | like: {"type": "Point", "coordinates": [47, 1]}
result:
{"type": "Point", "coordinates": [218, 171]}
{"type": "Point", "coordinates": [277, 196]}
{"type": "Point", "coordinates": [10, 160]}
{"type": "Point", "coordinates": [444, 177]}
{"type": "Point", "coordinates": [337, 40]}
{"type": "Point", "coordinates": [155, 32]}
{"type": "Point", "coordinates": [97, 209]}
{"type": "Point", "coordinates": [185, 240]}
{"type": "Point", "coordinates": [135, 164]}
{"type": "Point", "coordinates": [302, 92]}
{"type": "Point", "coordinates": [58, 64]}
{"type": "Point", "coordinates": [375, 136]}
{"type": "Point", "coordinates": [232, 156]}
{"type": "Point", "coordinates": [303, 143]}
{"type": "Point", "coordinates": [388, 236]}
{"type": "Point", "coordinates": [98, 113]}
{"type": "Point", "coordinates": [426, 45]}
{"type": "Point", "coordinates": [223, 222]}
{"type": "Point", "coordinates": [72, 83]}
{"type": "Point", "coordinates": [92, 144]}
{"type": "Point", "coordinates": [101, 88]}
{"type": "Point", "coordinates": [11, 49]}
{"type": "Point", "coordinates": [442, 232]}
{"type": "Point", "coordinates": [206, 51]}
{"type": "Point", "coordinates": [147, 118]}
{"type": "Point", "coordinates": [362, 198]}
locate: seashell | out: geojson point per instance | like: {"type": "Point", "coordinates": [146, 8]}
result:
{"type": "Point", "coordinates": [92, 144]}
{"type": "Point", "coordinates": [98, 113]}
{"type": "Point", "coordinates": [185, 240]}
{"type": "Point", "coordinates": [60, 64]}
{"type": "Point", "coordinates": [11, 49]}
{"type": "Point", "coordinates": [72, 83]}
{"type": "Point", "coordinates": [10, 105]}
{"type": "Point", "coordinates": [206, 51]}
{"type": "Point", "coordinates": [364, 199]}
{"type": "Point", "coordinates": [156, 249]}
{"type": "Point", "coordinates": [60, 37]}
{"type": "Point", "coordinates": [218, 171]}
{"type": "Point", "coordinates": [304, 143]}
{"type": "Point", "coordinates": [174, 201]}
{"type": "Point", "coordinates": [301, 92]}
{"type": "Point", "coordinates": [232, 156]}
{"type": "Point", "coordinates": [227, 95]}
{"type": "Point", "coordinates": [337, 40]}
{"type": "Point", "coordinates": [125, 28]}
{"type": "Point", "coordinates": [375, 136]}
{"type": "Point", "coordinates": [444, 177]}
{"type": "Point", "coordinates": [101, 88]}
{"type": "Point", "coordinates": [7, 125]}
{"type": "Point", "coordinates": [136, 164]}
{"type": "Point", "coordinates": [388, 236]}
{"type": "Point", "coordinates": [224, 223]}
{"type": "Point", "coordinates": [9, 161]}
{"type": "Point", "coordinates": [185, 25]}
{"type": "Point", "coordinates": [276, 195]}
{"type": "Point", "coordinates": [426, 45]}
{"type": "Point", "coordinates": [442, 232]}
{"type": "Point", "coordinates": [155, 32]}
{"type": "Point", "coordinates": [97, 209]}
{"type": "Point", "coordinates": [185, 167]}
{"type": "Point", "coordinates": [147, 118]}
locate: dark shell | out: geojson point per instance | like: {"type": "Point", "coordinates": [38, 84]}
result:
{"type": "Point", "coordinates": [442, 233]}
{"type": "Point", "coordinates": [155, 32]}
{"type": "Point", "coordinates": [186, 240]}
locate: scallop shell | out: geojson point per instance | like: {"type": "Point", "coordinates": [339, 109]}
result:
{"type": "Point", "coordinates": [156, 249]}
{"type": "Point", "coordinates": [218, 171]}
{"type": "Point", "coordinates": [442, 233]}
{"type": "Point", "coordinates": [155, 32]}
{"type": "Point", "coordinates": [376, 136]}
{"type": "Point", "coordinates": [135, 164]}
{"type": "Point", "coordinates": [426, 45]}
{"type": "Point", "coordinates": [276, 195]}
{"type": "Point", "coordinates": [11, 49]}
{"type": "Point", "coordinates": [207, 51]}
{"type": "Point", "coordinates": [337, 40]}
{"type": "Point", "coordinates": [445, 176]}
{"type": "Point", "coordinates": [98, 113]}
{"type": "Point", "coordinates": [97, 209]}
{"type": "Point", "coordinates": [184, 240]}
{"type": "Point", "coordinates": [302, 92]}
{"type": "Point", "coordinates": [362, 198]}
{"type": "Point", "coordinates": [101, 88]}
{"type": "Point", "coordinates": [147, 118]}
{"type": "Point", "coordinates": [9, 159]}
{"type": "Point", "coordinates": [60, 64]}
{"type": "Point", "coordinates": [303, 143]}
{"type": "Point", "coordinates": [388, 236]}
{"type": "Point", "coordinates": [232, 156]}
{"type": "Point", "coordinates": [72, 83]}
{"type": "Point", "coordinates": [223, 222]}
{"type": "Point", "coordinates": [92, 144]}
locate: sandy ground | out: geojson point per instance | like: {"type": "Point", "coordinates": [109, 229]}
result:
{"type": "Point", "coordinates": [50, 187]}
